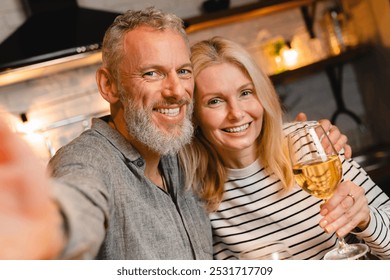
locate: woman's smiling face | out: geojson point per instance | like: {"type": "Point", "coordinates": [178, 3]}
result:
{"type": "Point", "coordinates": [228, 110]}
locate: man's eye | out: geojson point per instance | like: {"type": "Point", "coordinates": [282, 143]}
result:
{"type": "Point", "coordinates": [150, 74]}
{"type": "Point", "coordinates": [184, 72]}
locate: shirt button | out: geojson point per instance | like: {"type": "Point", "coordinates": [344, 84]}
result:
{"type": "Point", "coordinates": [140, 163]}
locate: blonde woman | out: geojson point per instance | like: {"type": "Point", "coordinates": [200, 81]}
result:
{"type": "Point", "coordinates": [239, 166]}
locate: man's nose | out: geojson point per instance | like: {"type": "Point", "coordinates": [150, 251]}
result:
{"type": "Point", "coordinates": [173, 86]}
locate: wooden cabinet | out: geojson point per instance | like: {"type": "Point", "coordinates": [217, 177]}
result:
{"type": "Point", "coordinates": [244, 12]}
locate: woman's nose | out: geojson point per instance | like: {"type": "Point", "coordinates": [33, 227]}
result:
{"type": "Point", "coordinates": [235, 112]}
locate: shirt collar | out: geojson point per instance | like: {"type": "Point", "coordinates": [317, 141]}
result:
{"type": "Point", "coordinates": [101, 126]}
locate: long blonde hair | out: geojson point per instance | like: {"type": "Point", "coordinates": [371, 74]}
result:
{"type": "Point", "coordinates": [201, 163]}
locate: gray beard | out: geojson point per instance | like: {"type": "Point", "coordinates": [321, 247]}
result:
{"type": "Point", "coordinates": [139, 125]}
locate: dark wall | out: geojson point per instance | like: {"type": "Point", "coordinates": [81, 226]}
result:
{"type": "Point", "coordinates": [373, 76]}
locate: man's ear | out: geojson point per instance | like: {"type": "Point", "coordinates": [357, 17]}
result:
{"type": "Point", "coordinates": [107, 85]}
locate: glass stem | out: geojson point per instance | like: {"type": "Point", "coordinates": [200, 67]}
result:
{"type": "Point", "coordinates": [342, 245]}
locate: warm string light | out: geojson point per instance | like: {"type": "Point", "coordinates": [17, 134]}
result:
{"type": "Point", "coordinates": [276, 54]}
{"type": "Point", "coordinates": [290, 58]}
{"type": "Point", "coordinates": [39, 135]}
{"type": "Point", "coordinates": [286, 59]}
{"type": "Point", "coordinates": [29, 130]}
{"type": "Point", "coordinates": [281, 56]}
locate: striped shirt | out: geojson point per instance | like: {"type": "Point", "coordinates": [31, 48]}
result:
{"type": "Point", "coordinates": [256, 210]}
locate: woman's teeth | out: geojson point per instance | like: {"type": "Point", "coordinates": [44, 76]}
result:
{"type": "Point", "coordinates": [237, 129]}
{"type": "Point", "coordinates": [169, 112]}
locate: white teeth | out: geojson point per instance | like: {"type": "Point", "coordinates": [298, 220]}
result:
{"type": "Point", "coordinates": [237, 129]}
{"type": "Point", "coordinates": [169, 112]}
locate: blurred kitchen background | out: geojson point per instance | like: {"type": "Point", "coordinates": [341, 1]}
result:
{"type": "Point", "coordinates": [327, 58]}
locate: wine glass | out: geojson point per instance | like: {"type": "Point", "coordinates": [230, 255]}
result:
{"type": "Point", "coordinates": [318, 170]}
{"type": "Point", "coordinates": [274, 250]}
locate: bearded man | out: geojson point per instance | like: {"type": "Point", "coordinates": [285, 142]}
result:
{"type": "Point", "coordinates": [116, 191]}
{"type": "Point", "coordinates": [123, 193]}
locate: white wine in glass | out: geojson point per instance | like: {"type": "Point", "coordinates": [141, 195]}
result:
{"type": "Point", "coordinates": [319, 178]}
{"type": "Point", "coordinates": [318, 170]}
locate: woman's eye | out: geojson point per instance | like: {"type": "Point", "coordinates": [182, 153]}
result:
{"type": "Point", "coordinates": [214, 101]}
{"type": "Point", "coordinates": [246, 92]}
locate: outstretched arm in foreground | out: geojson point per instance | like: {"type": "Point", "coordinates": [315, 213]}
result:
{"type": "Point", "coordinates": [30, 222]}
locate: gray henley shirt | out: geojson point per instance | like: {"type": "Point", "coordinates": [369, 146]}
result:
{"type": "Point", "coordinates": [112, 211]}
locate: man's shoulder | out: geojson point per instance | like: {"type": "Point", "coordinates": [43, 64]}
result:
{"type": "Point", "coordinates": [89, 139]}
{"type": "Point", "coordinates": [93, 139]}
{"type": "Point", "coordinates": [88, 147]}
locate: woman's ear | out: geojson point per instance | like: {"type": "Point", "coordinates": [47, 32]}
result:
{"type": "Point", "coordinates": [107, 85]}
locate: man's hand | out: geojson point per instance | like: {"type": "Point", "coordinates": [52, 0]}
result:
{"type": "Point", "coordinates": [30, 223]}
{"type": "Point", "coordinates": [338, 139]}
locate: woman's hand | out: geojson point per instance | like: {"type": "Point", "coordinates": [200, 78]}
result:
{"type": "Point", "coordinates": [30, 223]}
{"type": "Point", "coordinates": [338, 139]}
{"type": "Point", "coordinates": [346, 210]}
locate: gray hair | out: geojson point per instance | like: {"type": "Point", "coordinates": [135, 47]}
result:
{"type": "Point", "coordinates": [112, 51]}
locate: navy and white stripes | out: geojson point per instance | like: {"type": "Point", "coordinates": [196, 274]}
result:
{"type": "Point", "coordinates": [255, 210]}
